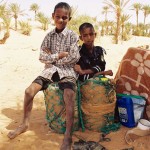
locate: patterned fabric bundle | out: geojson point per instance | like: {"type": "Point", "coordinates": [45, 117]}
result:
{"type": "Point", "coordinates": [133, 75]}
{"type": "Point", "coordinates": [98, 98]}
{"type": "Point", "coordinates": [55, 109]}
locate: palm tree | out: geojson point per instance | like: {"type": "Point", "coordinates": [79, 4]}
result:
{"type": "Point", "coordinates": [110, 27]}
{"type": "Point", "coordinates": [148, 30]}
{"type": "Point", "coordinates": [2, 10]}
{"type": "Point", "coordinates": [106, 27]}
{"type": "Point", "coordinates": [77, 20]}
{"type": "Point", "coordinates": [117, 6]}
{"type": "Point", "coordinates": [7, 21]}
{"type": "Point", "coordinates": [16, 12]}
{"type": "Point", "coordinates": [147, 27]}
{"type": "Point", "coordinates": [43, 20]}
{"type": "Point", "coordinates": [4, 15]}
{"type": "Point", "coordinates": [124, 19]}
{"type": "Point", "coordinates": [146, 11]}
{"type": "Point", "coordinates": [105, 11]}
{"type": "Point", "coordinates": [128, 28]}
{"type": "Point", "coordinates": [137, 7]}
{"type": "Point", "coordinates": [102, 31]}
{"type": "Point", "coordinates": [34, 7]}
{"type": "Point", "coordinates": [142, 28]}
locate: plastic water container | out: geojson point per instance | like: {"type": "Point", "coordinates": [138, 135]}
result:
{"type": "Point", "coordinates": [126, 113]}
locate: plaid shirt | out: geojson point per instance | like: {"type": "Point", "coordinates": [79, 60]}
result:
{"type": "Point", "coordinates": [67, 41]}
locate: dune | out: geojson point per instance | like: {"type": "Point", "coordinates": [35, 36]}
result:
{"type": "Point", "coordinates": [19, 66]}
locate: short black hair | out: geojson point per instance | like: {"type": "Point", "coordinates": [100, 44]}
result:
{"type": "Point", "coordinates": [63, 5]}
{"type": "Point", "coordinates": [85, 25]}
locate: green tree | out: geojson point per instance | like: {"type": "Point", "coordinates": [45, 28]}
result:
{"type": "Point", "coordinates": [78, 20]}
{"type": "Point", "coordinates": [106, 23]}
{"type": "Point", "coordinates": [43, 20]}
{"type": "Point", "coordinates": [105, 11]}
{"type": "Point", "coordinates": [105, 27]}
{"type": "Point", "coordinates": [117, 7]}
{"type": "Point", "coordinates": [16, 12]}
{"type": "Point", "coordinates": [124, 19]}
{"type": "Point", "coordinates": [146, 11]}
{"type": "Point", "coordinates": [137, 7]}
{"type": "Point", "coordinates": [4, 15]}
{"type": "Point", "coordinates": [142, 29]}
{"type": "Point", "coordinates": [128, 28]}
{"type": "Point", "coordinates": [102, 30]}
{"type": "Point", "coordinates": [25, 27]}
{"type": "Point", "coordinates": [34, 7]}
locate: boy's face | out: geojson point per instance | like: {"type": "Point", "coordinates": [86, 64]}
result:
{"type": "Point", "coordinates": [61, 18]}
{"type": "Point", "coordinates": [87, 36]}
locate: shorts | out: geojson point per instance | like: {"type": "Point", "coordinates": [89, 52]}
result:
{"type": "Point", "coordinates": [43, 82]}
{"type": "Point", "coordinates": [66, 82]}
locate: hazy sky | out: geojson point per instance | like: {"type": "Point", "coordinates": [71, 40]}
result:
{"type": "Point", "coordinates": [90, 7]}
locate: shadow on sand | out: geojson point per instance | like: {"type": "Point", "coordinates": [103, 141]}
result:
{"type": "Point", "coordinates": [38, 135]}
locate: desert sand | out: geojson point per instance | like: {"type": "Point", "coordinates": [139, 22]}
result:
{"type": "Point", "coordinates": [19, 65]}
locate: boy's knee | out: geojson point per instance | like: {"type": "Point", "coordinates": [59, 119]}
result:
{"type": "Point", "coordinates": [28, 92]}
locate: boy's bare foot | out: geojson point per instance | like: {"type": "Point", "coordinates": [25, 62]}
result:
{"type": "Point", "coordinates": [66, 145]}
{"type": "Point", "coordinates": [22, 128]}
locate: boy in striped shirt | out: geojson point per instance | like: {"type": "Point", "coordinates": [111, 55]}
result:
{"type": "Point", "coordinates": [92, 60]}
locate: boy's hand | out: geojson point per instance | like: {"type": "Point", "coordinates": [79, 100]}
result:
{"type": "Point", "coordinates": [109, 72]}
{"type": "Point", "coordinates": [46, 50]}
{"type": "Point", "coordinates": [78, 69]}
{"type": "Point", "coordinates": [63, 54]}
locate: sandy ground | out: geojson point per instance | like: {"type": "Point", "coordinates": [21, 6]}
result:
{"type": "Point", "coordinates": [19, 65]}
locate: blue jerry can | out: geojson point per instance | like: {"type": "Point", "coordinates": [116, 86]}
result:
{"type": "Point", "coordinates": [126, 112]}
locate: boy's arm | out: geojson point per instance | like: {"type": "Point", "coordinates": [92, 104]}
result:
{"type": "Point", "coordinates": [45, 54]}
{"type": "Point", "coordinates": [81, 71]}
{"type": "Point", "coordinates": [73, 54]}
{"type": "Point", "coordinates": [108, 72]}
{"type": "Point", "coordinates": [60, 55]}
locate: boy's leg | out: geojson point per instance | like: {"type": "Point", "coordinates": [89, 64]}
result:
{"type": "Point", "coordinates": [69, 99]}
{"type": "Point", "coordinates": [30, 92]}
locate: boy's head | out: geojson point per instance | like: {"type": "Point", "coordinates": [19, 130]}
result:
{"type": "Point", "coordinates": [87, 33]}
{"type": "Point", "coordinates": [61, 15]}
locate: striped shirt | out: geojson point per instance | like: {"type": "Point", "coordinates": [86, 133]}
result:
{"type": "Point", "coordinates": [66, 41]}
{"type": "Point", "coordinates": [94, 61]}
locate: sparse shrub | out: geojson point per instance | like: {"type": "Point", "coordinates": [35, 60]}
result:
{"type": "Point", "coordinates": [43, 20]}
{"type": "Point", "coordinates": [126, 36]}
{"type": "Point", "coordinates": [76, 21]}
{"type": "Point", "coordinates": [25, 28]}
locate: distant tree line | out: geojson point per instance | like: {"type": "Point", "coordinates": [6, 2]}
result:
{"type": "Point", "coordinates": [120, 28]}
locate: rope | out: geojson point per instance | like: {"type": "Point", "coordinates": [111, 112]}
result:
{"type": "Point", "coordinates": [55, 109]}
{"type": "Point", "coordinates": [110, 125]}
{"type": "Point", "coordinates": [86, 115]}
